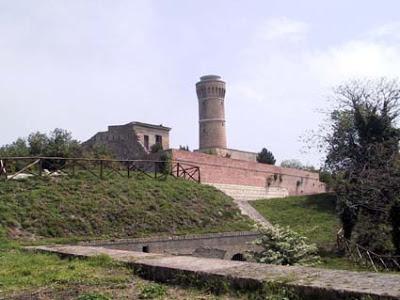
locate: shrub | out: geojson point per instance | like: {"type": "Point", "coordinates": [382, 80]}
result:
{"type": "Point", "coordinates": [283, 246]}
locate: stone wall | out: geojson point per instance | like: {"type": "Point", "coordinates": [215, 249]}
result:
{"type": "Point", "coordinates": [240, 175]}
{"type": "Point", "coordinates": [213, 245]}
{"type": "Point", "coordinates": [120, 141]}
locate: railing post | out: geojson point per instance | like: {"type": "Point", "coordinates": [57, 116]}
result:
{"type": "Point", "coordinates": [3, 168]}
{"type": "Point", "coordinates": [129, 170]}
{"type": "Point", "coordinates": [40, 166]}
{"type": "Point", "coordinates": [198, 172]}
{"type": "Point", "coordinates": [177, 169]}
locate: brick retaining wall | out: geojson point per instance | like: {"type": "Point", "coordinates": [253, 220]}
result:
{"type": "Point", "coordinates": [221, 170]}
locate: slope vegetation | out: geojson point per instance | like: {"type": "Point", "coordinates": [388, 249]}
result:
{"type": "Point", "coordinates": [312, 216]}
{"type": "Point", "coordinates": [86, 207]}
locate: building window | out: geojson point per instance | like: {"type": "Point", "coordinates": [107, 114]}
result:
{"type": "Point", "coordinates": [159, 139]}
{"type": "Point", "coordinates": [146, 142]}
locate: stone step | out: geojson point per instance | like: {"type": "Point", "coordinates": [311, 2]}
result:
{"type": "Point", "coordinates": [249, 193]}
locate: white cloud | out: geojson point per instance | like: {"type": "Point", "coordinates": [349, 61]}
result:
{"type": "Point", "coordinates": [283, 28]}
{"type": "Point", "coordinates": [289, 83]}
{"type": "Point", "coordinates": [389, 30]}
{"type": "Point", "coordinates": [359, 58]}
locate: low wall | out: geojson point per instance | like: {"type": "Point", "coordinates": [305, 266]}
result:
{"type": "Point", "coordinates": [243, 174]}
{"type": "Point", "coordinates": [303, 282]}
{"type": "Point", "coordinates": [213, 245]}
{"type": "Point", "coordinates": [230, 153]}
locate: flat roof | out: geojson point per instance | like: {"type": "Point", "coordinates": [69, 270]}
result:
{"type": "Point", "coordinates": [135, 123]}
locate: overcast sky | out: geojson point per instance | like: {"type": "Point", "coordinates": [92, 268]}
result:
{"type": "Point", "coordinates": [82, 65]}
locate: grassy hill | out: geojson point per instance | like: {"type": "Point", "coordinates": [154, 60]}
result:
{"type": "Point", "coordinates": [86, 207]}
{"type": "Point", "coordinates": [313, 217]}
{"type": "Point", "coordinates": [42, 210]}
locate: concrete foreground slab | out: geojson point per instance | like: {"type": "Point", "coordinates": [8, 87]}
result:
{"type": "Point", "coordinates": [311, 283]}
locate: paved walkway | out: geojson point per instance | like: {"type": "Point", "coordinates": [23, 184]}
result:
{"type": "Point", "coordinates": [311, 283]}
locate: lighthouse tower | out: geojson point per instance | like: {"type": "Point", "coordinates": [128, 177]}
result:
{"type": "Point", "coordinates": [211, 94]}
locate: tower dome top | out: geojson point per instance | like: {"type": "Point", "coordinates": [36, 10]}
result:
{"type": "Point", "coordinates": [210, 77]}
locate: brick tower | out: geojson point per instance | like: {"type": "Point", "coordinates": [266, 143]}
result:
{"type": "Point", "coordinates": [211, 93]}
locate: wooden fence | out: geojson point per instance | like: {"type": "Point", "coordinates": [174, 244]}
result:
{"type": "Point", "coordinates": [370, 259]}
{"type": "Point", "coordinates": [14, 167]}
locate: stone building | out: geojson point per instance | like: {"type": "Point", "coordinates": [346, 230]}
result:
{"type": "Point", "coordinates": [131, 141]}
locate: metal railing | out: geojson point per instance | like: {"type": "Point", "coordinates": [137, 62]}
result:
{"type": "Point", "coordinates": [364, 256]}
{"type": "Point", "coordinates": [13, 167]}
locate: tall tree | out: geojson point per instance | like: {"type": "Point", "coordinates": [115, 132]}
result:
{"type": "Point", "coordinates": [362, 153]}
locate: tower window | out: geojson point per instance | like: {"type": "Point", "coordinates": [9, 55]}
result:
{"type": "Point", "coordinates": [159, 139]}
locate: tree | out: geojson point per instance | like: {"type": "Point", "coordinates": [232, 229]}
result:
{"type": "Point", "coordinates": [266, 157]}
{"type": "Point", "coordinates": [59, 142]}
{"type": "Point", "coordinates": [157, 147]}
{"type": "Point", "coordinates": [362, 145]}
{"type": "Point", "coordinates": [17, 148]}
{"type": "Point", "coordinates": [62, 144]}
{"type": "Point", "coordinates": [38, 143]}
{"type": "Point", "coordinates": [292, 163]}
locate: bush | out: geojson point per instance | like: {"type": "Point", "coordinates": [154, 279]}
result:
{"type": "Point", "coordinates": [282, 246]}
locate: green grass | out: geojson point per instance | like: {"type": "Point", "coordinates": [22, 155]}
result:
{"type": "Point", "coordinates": [26, 271]}
{"type": "Point", "coordinates": [68, 209]}
{"type": "Point", "coordinates": [76, 208]}
{"type": "Point", "coordinates": [311, 216]}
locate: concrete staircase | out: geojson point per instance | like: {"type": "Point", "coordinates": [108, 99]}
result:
{"type": "Point", "coordinates": [242, 194]}
{"type": "Point", "coordinates": [248, 210]}
{"type": "Point", "coordinates": [248, 193]}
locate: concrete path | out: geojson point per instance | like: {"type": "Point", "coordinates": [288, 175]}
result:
{"type": "Point", "coordinates": [252, 213]}
{"type": "Point", "coordinates": [310, 283]}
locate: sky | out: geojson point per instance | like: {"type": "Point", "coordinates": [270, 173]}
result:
{"type": "Point", "coordinates": [84, 64]}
